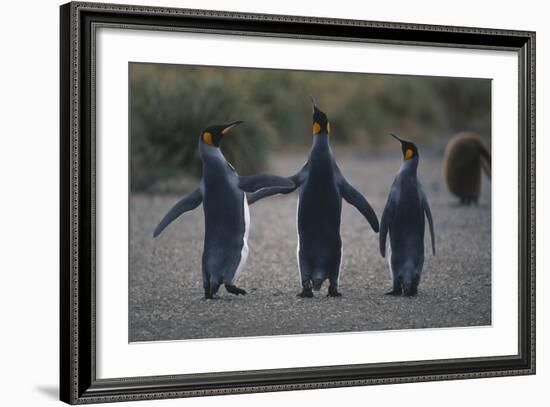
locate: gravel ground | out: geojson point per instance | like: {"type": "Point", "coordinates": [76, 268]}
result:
{"type": "Point", "coordinates": [166, 294]}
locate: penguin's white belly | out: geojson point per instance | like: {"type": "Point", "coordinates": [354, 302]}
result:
{"type": "Point", "coordinates": [244, 250]}
{"type": "Point", "coordinates": [388, 255]}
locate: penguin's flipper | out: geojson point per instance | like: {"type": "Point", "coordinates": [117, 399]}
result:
{"type": "Point", "coordinates": [253, 183]}
{"type": "Point", "coordinates": [427, 210]}
{"type": "Point", "coordinates": [385, 222]}
{"type": "Point", "coordinates": [355, 198]}
{"type": "Point", "coordinates": [185, 204]}
{"type": "Point", "coordinates": [297, 180]}
{"type": "Point", "coordinates": [265, 192]}
{"type": "Point", "coordinates": [301, 175]}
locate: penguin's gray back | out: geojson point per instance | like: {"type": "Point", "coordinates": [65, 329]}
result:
{"type": "Point", "coordinates": [319, 212]}
{"type": "Point", "coordinates": [407, 231]}
{"type": "Point", "coordinates": [407, 227]}
{"type": "Point", "coordinates": [465, 156]}
{"type": "Point", "coordinates": [226, 221]}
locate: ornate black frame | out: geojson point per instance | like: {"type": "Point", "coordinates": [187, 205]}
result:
{"type": "Point", "coordinates": [78, 382]}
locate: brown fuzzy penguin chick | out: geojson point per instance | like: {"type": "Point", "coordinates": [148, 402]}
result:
{"type": "Point", "coordinates": [465, 156]}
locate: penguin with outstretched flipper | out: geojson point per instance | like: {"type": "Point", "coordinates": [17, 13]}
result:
{"type": "Point", "coordinates": [226, 212]}
{"type": "Point", "coordinates": [403, 218]}
{"type": "Point", "coordinates": [322, 187]}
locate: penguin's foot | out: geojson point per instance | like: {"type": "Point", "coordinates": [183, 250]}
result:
{"type": "Point", "coordinates": [306, 293]}
{"type": "Point", "coordinates": [467, 201]}
{"type": "Point", "coordinates": [411, 289]}
{"type": "Point", "coordinates": [235, 290]}
{"type": "Point", "coordinates": [210, 293]}
{"type": "Point", "coordinates": [333, 292]}
{"type": "Point", "coordinates": [395, 292]}
{"type": "Point", "coordinates": [410, 293]}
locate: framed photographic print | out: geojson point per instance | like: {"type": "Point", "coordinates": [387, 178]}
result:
{"type": "Point", "coordinates": [255, 203]}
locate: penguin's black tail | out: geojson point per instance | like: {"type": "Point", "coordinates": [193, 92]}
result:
{"type": "Point", "coordinates": [485, 159]}
{"type": "Point", "coordinates": [317, 283]}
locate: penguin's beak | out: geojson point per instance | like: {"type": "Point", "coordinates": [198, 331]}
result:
{"type": "Point", "coordinates": [313, 103]}
{"type": "Point", "coordinates": [229, 126]}
{"type": "Point", "coordinates": [396, 137]}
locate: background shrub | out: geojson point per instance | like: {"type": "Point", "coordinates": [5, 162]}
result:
{"type": "Point", "coordinates": [172, 104]}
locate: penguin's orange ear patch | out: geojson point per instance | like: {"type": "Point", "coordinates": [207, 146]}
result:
{"type": "Point", "coordinates": [328, 127]}
{"type": "Point", "coordinates": [409, 154]}
{"type": "Point", "coordinates": [316, 128]}
{"type": "Point", "coordinates": [207, 137]}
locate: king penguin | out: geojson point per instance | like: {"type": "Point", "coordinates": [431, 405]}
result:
{"type": "Point", "coordinates": [403, 218]}
{"type": "Point", "coordinates": [226, 212]}
{"type": "Point", "coordinates": [322, 187]}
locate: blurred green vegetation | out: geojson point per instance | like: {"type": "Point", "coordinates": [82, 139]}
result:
{"type": "Point", "coordinates": [171, 104]}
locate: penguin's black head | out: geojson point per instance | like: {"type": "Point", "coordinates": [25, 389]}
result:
{"type": "Point", "coordinates": [212, 135]}
{"type": "Point", "coordinates": [409, 149]}
{"type": "Point", "coordinates": [320, 120]}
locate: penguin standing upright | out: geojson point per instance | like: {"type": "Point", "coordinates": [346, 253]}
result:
{"type": "Point", "coordinates": [403, 218]}
{"type": "Point", "coordinates": [225, 212]}
{"type": "Point", "coordinates": [319, 210]}
{"type": "Point", "coordinates": [465, 156]}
